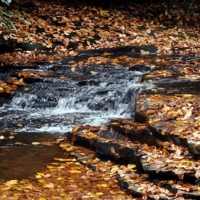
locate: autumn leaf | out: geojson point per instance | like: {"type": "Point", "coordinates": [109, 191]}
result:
{"type": "Point", "coordinates": [188, 114]}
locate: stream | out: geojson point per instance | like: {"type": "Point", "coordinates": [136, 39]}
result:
{"type": "Point", "coordinates": [49, 106]}
{"type": "Point", "coordinates": [62, 94]}
{"type": "Point", "coordinates": [55, 105]}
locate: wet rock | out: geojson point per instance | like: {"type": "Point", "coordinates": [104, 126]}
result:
{"type": "Point", "coordinates": [140, 117]}
{"type": "Point", "coordinates": [7, 45]}
{"type": "Point", "coordinates": [124, 49]}
{"type": "Point", "coordinates": [147, 48]}
{"type": "Point", "coordinates": [174, 164]}
{"type": "Point", "coordinates": [133, 131]}
{"type": "Point", "coordinates": [140, 68]}
{"type": "Point", "coordinates": [139, 185]}
{"type": "Point", "coordinates": [171, 118]}
{"type": "Point", "coordinates": [82, 135]}
{"type": "Point", "coordinates": [108, 147]}
{"type": "Point", "coordinates": [5, 97]}
{"type": "Point", "coordinates": [142, 185]}
{"type": "Point", "coordinates": [31, 47]}
{"type": "Point", "coordinates": [28, 5]}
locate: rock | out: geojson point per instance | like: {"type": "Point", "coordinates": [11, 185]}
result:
{"type": "Point", "coordinates": [133, 131]}
{"type": "Point", "coordinates": [7, 45]}
{"type": "Point", "coordinates": [31, 47]}
{"type": "Point", "coordinates": [171, 118]}
{"type": "Point", "coordinates": [147, 48]}
{"type": "Point", "coordinates": [123, 49]}
{"type": "Point", "coordinates": [174, 164]}
{"type": "Point", "coordinates": [5, 97]}
{"type": "Point", "coordinates": [140, 68]}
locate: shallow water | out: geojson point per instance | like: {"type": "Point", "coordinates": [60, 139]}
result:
{"type": "Point", "coordinates": [50, 106]}
{"type": "Point", "coordinates": [55, 105]}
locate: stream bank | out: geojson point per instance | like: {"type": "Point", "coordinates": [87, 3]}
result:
{"type": "Point", "coordinates": [120, 138]}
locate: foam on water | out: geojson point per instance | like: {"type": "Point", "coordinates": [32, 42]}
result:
{"type": "Point", "coordinates": [110, 97]}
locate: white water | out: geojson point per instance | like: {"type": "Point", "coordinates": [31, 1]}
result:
{"type": "Point", "coordinates": [113, 97]}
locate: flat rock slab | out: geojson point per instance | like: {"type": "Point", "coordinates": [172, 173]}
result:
{"type": "Point", "coordinates": [172, 118]}
{"type": "Point", "coordinates": [174, 164]}
{"type": "Point", "coordinates": [107, 146]}
{"type": "Point", "coordinates": [133, 131]}
{"type": "Point", "coordinates": [141, 185]}
{"type": "Point", "coordinates": [168, 160]}
{"type": "Point", "coordinates": [174, 78]}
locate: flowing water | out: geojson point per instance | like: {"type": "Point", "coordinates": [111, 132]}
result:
{"type": "Point", "coordinates": [51, 105]}
{"type": "Point", "coordinates": [54, 104]}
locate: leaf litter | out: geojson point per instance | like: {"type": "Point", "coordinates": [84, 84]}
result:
{"type": "Point", "coordinates": [85, 176]}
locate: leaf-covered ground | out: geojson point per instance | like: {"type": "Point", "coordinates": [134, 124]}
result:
{"type": "Point", "coordinates": [63, 29]}
{"type": "Point", "coordinates": [163, 149]}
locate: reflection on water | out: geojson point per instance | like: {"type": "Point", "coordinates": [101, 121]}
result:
{"type": "Point", "coordinates": [21, 160]}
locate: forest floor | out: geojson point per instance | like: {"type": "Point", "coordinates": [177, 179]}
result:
{"type": "Point", "coordinates": [55, 31]}
{"type": "Point", "coordinates": [65, 30]}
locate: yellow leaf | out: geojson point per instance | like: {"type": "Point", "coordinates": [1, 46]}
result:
{"type": "Point", "coordinates": [40, 174]}
{"type": "Point", "coordinates": [102, 12]}
{"type": "Point", "coordinates": [75, 128]}
{"type": "Point", "coordinates": [170, 181]}
{"type": "Point", "coordinates": [18, 143]}
{"type": "Point", "coordinates": [150, 112]}
{"type": "Point", "coordinates": [163, 132]}
{"type": "Point", "coordinates": [99, 193]}
{"type": "Point", "coordinates": [49, 185]}
{"type": "Point", "coordinates": [41, 180]}
{"type": "Point", "coordinates": [114, 169]}
{"type": "Point", "coordinates": [65, 159]}
{"type": "Point", "coordinates": [11, 182]}
{"type": "Point", "coordinates": [21, 80]}
{"type": "Point", "coordinates": [84, 161]}
{"type": "Point", "coordinates": [35, 143]}
{"type": "Point", "coordinates": [144, 52]}
{"type": "Point", "coordinates": [104, 185]}
{"type": "Point", "coordinates": [131, 166]}
{"type": "Point", "coordinates": [74, 171]}
{"type": "Point", "coordinates": [69, 149]}
{"type": "Point", "coordinates": [166, 108]}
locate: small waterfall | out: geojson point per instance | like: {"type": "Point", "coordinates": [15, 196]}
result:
{"type": "Point", "coordinates": [55, 105]}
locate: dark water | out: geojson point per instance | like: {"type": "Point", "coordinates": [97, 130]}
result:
{"type": "Point", "coordinates": [20, 159]}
